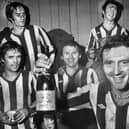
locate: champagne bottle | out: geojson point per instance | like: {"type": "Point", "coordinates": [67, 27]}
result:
{"type": "Point", "coordinates": [46, 102]}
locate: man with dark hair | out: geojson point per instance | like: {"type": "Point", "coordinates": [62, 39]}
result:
{"type": "Point", "coordinates": [111, 13]}
{"type": "Point", "coordinates": [72, 82]}
{"type": "Point", "coordinates": [110, 99]}
{"type": "Point", "coordinates": [10, 8]}
{"type": "Point", "coordinates": [34, 39]}
{"type": "Point", "coordinates": [17, 89]}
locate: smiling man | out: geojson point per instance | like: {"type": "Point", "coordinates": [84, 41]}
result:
{"type": "Point", "coordinates": [17, 88]}
{"type": "Point", "coordinates": [112, 98]}
{"type": "Point", "coordinates": [72, 82]}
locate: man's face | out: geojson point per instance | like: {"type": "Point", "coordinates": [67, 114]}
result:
{"type": "Point", "coordinates": [110, 12]}
{"type": "Point", "coordinates": [19, 17]}
{"type": "Point", "coordinates": [116, 66]}
{"type": "Point", "coordinates": [12, 60]}
{"type": "Point", "coordinates": [71, 56]}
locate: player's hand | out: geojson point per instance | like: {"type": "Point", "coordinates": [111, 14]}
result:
{"type": "Point", "coordinates": [42, 65]}
{"type": "Point", "coordinates": [21, 115]}
{"type": "Point", "coordinates": [7, 118]}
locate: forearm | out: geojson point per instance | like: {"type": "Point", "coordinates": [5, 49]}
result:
{"type": "Point", "coordinates": [80, 91]}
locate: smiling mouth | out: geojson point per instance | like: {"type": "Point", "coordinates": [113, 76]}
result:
{"type": "Point", "coordinates": [118, 79]}
{"type": "Point", "coordinates": [23, 21]}
{"type": "Point", "coordinates": [15, 66]}
{"type": "Point", "coordinates": [111, 16]}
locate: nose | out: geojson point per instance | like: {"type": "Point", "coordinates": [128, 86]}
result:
{"type": "Point", "coordinates": [15, 59]}
{"type": "Point", "coordinates": [70, 56]}
{"type": "Point", "coordinates": [116, 69]}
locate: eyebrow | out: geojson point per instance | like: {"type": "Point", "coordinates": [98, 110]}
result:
{"type": "Point", "coordinates": [109, 61]}
{"type": "Point", "coordinates": [126, 59]}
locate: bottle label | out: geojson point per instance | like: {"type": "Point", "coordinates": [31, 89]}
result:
{"type": "Point", "coordinates": [45, 100]}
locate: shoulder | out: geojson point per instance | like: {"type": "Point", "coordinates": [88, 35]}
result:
{"type": "Point", "coordinates": [61, 70]}
{"type": "Point", "coordinates": [92, 76]}
{"type": "Point", "coordinates": [38, 27]}
{"type": "Point", "coordinates": [123, 29]}
{"type": "Point", "coordinates": [105, 86]}
{"type": "Point", "coordinates": [26, 73]}
{"type": "Point", "coordinates": [96, 30]}
{"type": "Point", "coordinates": [32, 26]}
{"type": "Point", "coordinates": [83, 68]}
{"type": "Point", "coordinates": [5, 34]}
{"type": "Point", "coordinates": [97, 27]}
{"type": "Point", "coordinates": [91, 71]}
{"type": "Point", "coordinates": [28, 76]}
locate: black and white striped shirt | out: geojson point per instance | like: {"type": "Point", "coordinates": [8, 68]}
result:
{"type": "Point", "coordinates": [35, 40]}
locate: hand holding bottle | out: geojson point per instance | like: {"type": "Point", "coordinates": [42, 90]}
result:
{"type": "Point", "coordinates": [42, 64]}
{"type": "Point", "coordinates": [21, 115]}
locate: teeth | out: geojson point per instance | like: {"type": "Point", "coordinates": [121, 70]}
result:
{"type": "Point", "coordinates": [118, 79]}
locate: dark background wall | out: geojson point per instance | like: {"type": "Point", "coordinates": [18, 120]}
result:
{"type": "Point", "coordinates": [74, 16]}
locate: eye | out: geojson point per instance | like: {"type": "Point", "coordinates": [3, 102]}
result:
{"type": "Point", "coordinates": [10, 57]}
{"type": "Point", "coordinates": [20, 14]}
{"type": "Point", "coordinates": [124, 62]}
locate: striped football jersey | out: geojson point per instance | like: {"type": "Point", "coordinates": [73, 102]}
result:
{"type": "Point", "coordinates": [17, 94]}
{"type": "Point", "coordinates": [100, 32]}
{"type": "Point", "coordinates": [108, 113]}
{"type": "Point", "coordinates": [75, 87]}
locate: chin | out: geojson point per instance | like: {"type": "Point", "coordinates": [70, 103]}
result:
{"type": "Point", "coordinates": [119, 86]}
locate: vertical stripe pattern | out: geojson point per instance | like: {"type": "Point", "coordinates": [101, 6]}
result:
{"type": "Point", "coordinates": [76, 87]}
{"type": "Point", "coordinates": [16, 94]}
{"type": "Point", "coordinates": [99, 32]}
{"type": "Point", "coordinates": [30, 39]}
{"type": "Point", "coordinates": [108, 114]}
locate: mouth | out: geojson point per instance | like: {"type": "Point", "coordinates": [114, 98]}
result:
{"type": "Point", "coordinates": [70, 61]}
{"type": "Point", "coordinates": [23, 21]}
{"type": "Point", "coordinates": [15, 66]}
{"type": "Point", "coordinates": [118, 79]}
{"type": "Point", "coordinates": [111, 15]}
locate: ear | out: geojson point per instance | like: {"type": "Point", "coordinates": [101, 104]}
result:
{"type": "Point", "coordinates": [11, 20]}
{"type": "Point", "coordinates": [103, 13]}
{"type": "Point", "coordinates": [2, 61]}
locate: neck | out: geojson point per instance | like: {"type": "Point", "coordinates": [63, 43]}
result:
{"type": "Point", "coordinates": [108, 25]}
{"type": "Point", "coordinates": [17, 30]}
{"type": "Point", "coordinates": [10, 75]}
{"type": "Point", "coordinates": [72, 70]}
